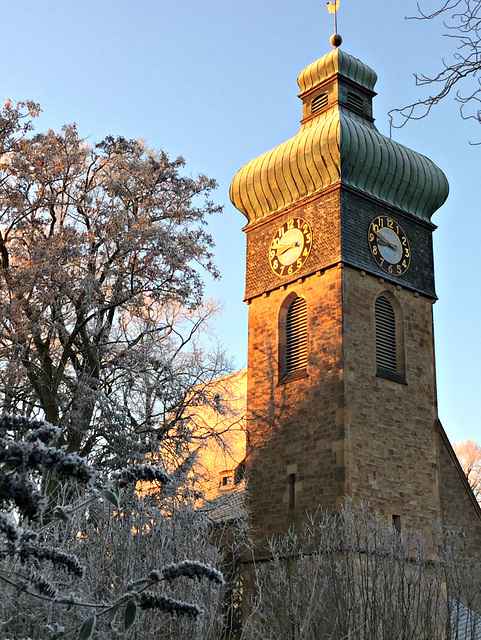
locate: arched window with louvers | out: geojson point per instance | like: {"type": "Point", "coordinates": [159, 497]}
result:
{"type": "Point", "coordinates": [390, 359]}
{"type": "Point", "coordinates": [293, 343]}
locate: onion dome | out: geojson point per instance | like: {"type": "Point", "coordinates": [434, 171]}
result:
{"type": "Point", "coordinates": [338, 143]}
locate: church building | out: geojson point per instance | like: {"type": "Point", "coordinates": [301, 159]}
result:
{"type": "Point", "coordinates": [341, 383]}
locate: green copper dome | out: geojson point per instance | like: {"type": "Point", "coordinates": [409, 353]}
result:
{"type": "Point", "coordinates": [338, 144]}
{"type": "Point", "coordinates": [337, 61]}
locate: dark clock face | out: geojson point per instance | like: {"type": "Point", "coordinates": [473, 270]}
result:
{"type": "Point", "coordinates": [389, 245]}
{"type": "Point", "coordinates": [290, 247]}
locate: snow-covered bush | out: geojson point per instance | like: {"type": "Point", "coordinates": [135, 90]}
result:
{"type": "Point", "coordinates": [352, 575]}
{"type": "Point", "coordinates": [103, 561]}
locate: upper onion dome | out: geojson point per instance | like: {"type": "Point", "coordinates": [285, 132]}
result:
{"type": "Point", "coordinates": [338, 144]}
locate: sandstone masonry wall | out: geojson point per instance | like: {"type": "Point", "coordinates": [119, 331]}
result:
{"type": "Point", "coordinates": [460, 509]}
{"type": "Point", "coordinates": [390, 427]}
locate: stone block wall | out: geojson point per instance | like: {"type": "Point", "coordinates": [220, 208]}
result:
{"type": "Point", "coordinates": [339, 429]}
{"type": "Point", "coordinates": [295, 429]}
{"type": "Point", "coordinates": [390, 427]}
{"type": "Point", "coordinates": [460, 510]}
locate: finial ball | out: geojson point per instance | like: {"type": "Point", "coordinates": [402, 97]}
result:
{"type": "Point", "coordinates": [336, 40]}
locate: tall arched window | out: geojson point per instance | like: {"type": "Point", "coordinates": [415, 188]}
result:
{"type": "Point", "coordinates": [292, 336]}
{"type": "Point", "coordinates": [385, 335]}
{"type": "Point", "coordinates": [296, 335]}
{"type": "Point", "coordinates": [389, 341]}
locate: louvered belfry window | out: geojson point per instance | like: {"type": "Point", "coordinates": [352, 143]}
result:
{"type": "Point", "coordinates": [296, 335]}
{"type": "Point", "coordinates": [353, 100]}
{"type": "Point", "coordinates": [319, 102]}
{"type": "Point", "coordinates": [385, 335]}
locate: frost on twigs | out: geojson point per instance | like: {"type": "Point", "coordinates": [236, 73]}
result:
{"type": "Point", "coordinates": [55, 556]}
{"type": "Point", "coordinates": [152, 600]}
{"type": "Point", "coordinates": [34, 455]}
{"type": "Point", "coordinates": [78, 556]}
{"type": "Point", "coordinates": [25, 461]}
{"type": "Point", "coordinates": [31, 429]}
{"type": "Point", "coordinates": [190, 569]}
{"type": "Point", "coordinates": [142, 472]}
{"type": "Point", "coordinates": [353, 575]}
{"type": "Point", "coordinates": [9, 528]}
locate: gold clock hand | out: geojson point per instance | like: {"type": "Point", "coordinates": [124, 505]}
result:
{"type": "Point", "coordinates": [385, 241]}
{"type": "Point", "coordinates": [284, 247]}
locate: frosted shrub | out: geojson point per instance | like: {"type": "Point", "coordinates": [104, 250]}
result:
{"type": "Point", "coordinates": [351, 575]}
{"type": "Point", "coordinates": [103, 561]}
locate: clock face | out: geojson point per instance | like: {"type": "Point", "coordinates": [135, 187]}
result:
{"type": "Point", "coordinates": [389, 245]}
{"type": "Point", "coordinates": [290, 247]}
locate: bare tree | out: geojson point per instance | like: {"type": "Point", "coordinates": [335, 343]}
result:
{"type": "Point", "coordinates": [459, 73]}
{"type": "Point", "coordinates": [101, 253]}
{"type": "Point", "coordinates": [469, 456]}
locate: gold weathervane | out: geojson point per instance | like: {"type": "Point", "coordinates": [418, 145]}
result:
{"type": "Point", "coordinates": [332, 7]}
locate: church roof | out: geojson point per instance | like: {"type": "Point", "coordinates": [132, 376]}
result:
{"type": "Point", "coordinates": [338, 143]}
{"type": "Point", "coordinates": [220, 436]}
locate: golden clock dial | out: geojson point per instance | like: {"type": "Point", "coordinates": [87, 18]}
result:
{"type": "Point", "coordinates": [389, 245]}
{"type": "Point", "coordinates": [290, 247]}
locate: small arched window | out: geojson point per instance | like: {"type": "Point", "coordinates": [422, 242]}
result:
{"type": "Point", "coordinates": [292, 337]}
{"type": "Point", "coordinates": [389, 342]}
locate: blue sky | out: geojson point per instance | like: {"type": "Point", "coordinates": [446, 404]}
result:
{"type": "Point", "coordinates": [216, 82]}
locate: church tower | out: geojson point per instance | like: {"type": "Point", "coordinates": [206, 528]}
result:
{"type": "Point", "coordinates": [341, 391]}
